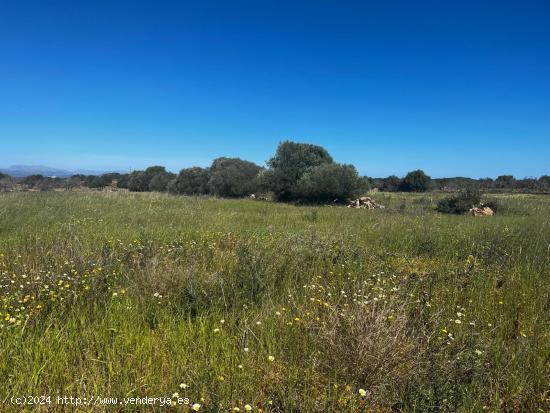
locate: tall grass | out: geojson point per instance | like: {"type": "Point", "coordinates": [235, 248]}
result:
{"type": "Point", "coordinates": [278, 307]}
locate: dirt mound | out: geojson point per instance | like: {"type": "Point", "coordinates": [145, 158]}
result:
{"type": "Point", "coordinates": [365, 202]}
{"type": "Point", "coordinates": [482, 212]}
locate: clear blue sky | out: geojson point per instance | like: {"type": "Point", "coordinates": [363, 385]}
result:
{"type": "Point", "coordinates": [454, 88]}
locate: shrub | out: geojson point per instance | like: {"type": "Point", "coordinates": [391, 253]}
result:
{"type": "Point", "coordinates": [140, 181]}
{"type": "Point", "coordinates": [362, 347]}
{"type": "Point", "coordinates": [505, 182]}
{"type": "Point", "coordinates": [416, 181]}
{"type": "Point", "coordinates": [328, 182]}
{"type": "Point", "coordinates": [159, 182]}
{"type": "Point", "coordinates": [391, 184]}
{"type": "Point", "coordinates": [191, 181]}
{"type": "Point", "coordinates": [233, 177]}
{"type": "Point", "coordinates": [460, 203]}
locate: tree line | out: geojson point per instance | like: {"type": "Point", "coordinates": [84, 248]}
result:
{"type": "Point", "coordinates": [503, 183]}
{"type": "Point", "coordinates": [297, 172]}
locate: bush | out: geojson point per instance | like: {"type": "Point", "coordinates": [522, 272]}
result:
{"type": "Point", "coordinates": [191, 181]}
{"type": "Point", "coordinates": [233, 177]}
{"type": "Point", "coordinates": [460, 203]}
{"type": "Point", "coordinates": [416, 181]}
{"type": "Point", "coordinates": [328, 182]}
{"type": "Point", "coordinates": [391, 184]}
{"type": "Point", "coordinates": [140, 181]}
{"type": "Point", "coordinates": [159, 182]}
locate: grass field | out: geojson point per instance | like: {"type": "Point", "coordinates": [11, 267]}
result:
{"type": "Point", "coordinates": [282, 308]}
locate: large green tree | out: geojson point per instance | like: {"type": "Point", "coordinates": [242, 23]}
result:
{"type": "Point", "coordinates": [288, 165]}
{"type": "Point", "coordinates": [233, 177]}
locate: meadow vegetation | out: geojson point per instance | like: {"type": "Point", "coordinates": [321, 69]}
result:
{"type": "Point", "coordinates": [275, 307]}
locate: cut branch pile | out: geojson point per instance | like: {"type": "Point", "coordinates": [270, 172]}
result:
{"type": "Point", "coordinates": [482, 212]}
{"type": "Point", "coordinates": [365, 202]}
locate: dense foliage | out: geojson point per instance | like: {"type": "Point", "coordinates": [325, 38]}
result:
{"type": "Point", "coordinates": [416, 181]}
{"type": "Point", "coordinates": [307, 173]}
{"type": "Point", "coordinates": [459, 203]}
{"type": "Point", "coordinates": [289, 164]}
{"type": "Point", "coordinates": [233, 177]}
{"type": "Point", "coordinates": [154, 178]}
{"type": "Point", "coordinates": [328, 182]}
{"type": "Point", "coordinates": [191, 181]}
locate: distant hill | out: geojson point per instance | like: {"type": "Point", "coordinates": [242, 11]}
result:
{"type": "Point", "coordinates": [19, 171]}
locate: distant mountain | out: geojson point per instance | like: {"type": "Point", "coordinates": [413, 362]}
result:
{"type": "Point", "coordinates": [19, 171]}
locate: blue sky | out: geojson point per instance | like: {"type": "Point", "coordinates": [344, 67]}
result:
{"type": "Point", "coordinates": [455, 88]}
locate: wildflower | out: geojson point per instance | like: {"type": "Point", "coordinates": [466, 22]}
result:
{"type": "Point", "coordinates": [183, 386]}
{"type": "Point", "coordinates": [196, 407]}
{"type": "Point", "coordinates": [258, 323]}
{"type": "Point", "coordinates": [248, 407]}
{"type": "Point", "coordinates": [277, 313]}
{"type": "Point", "coordinates": [479, 352]}
{"type": "Point", "coordinates": [115, 294]}
{"type": "Point", "coordinates": [271, 358]}
{"type": "Point", "coordinates": [246, 349]}
{"type": "Point", "coordinates": [362, 392]}
{"type": "Point", "coordinates": [222, 321]}
{"type": "Point", "coordinates": [216, 330]}
{"type": "Point", "coordinates": [240, 366]}
{"type": "Point", "coordinates": [457, 321]}
{"type": "Point", "coordinates": [176, 395]}
{"type": "Point", "coordinates": [236, 409]}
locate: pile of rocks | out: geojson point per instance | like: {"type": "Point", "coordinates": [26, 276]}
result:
{"type": "Point", "coordinates": [483, 211]}
{"type": "Point", "coordinates": [365, 202]}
